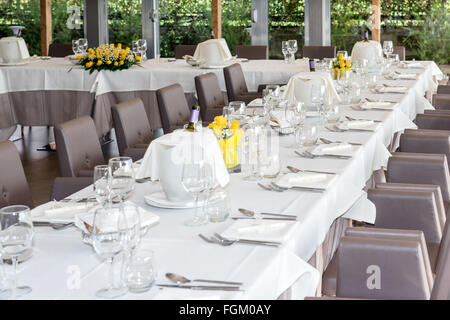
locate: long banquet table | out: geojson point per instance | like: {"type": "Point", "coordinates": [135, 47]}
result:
{"type": "Point", "coordinates": [267, 273]}
{"type": "Point", "coordinates": [48, 92]}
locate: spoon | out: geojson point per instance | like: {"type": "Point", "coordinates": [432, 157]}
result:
{"type": "Point", "coordinates": [250, 213]}
{"type": "Point", "coordinates": [180, 280]}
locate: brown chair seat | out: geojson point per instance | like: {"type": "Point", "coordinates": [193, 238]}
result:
{"type": "Point", "coordinates": [210, 98]}
{"type": "Point", "coordinates": [236, 85]}
{"type": "Point", "coordinates": [184, 49]}
{"type": "Point", "coordinates": [252, 52]}
{"type": "Point", "coordinates": [441, 101]}
{"type": "Point", "coordinates": [173, 107]}
{"type": "Point", "coordinates": [59, 50]}
{"type": "Point", "coordinates": [319, 52]}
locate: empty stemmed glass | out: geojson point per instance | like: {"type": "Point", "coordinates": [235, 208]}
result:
{"type": "Point", "coordinates": [135, 48]}
{"type": "Point", "coordinates": [295, 115]}
{"type": "Point", "coordinates": [122, 177]}
{"type": "Point", "coordinates": [75, 47]}
{"type": "Point", "coordinates": [292, 49]}
{"type": "Point", "coordinates": [196, 178]}
{"type": "Point", "coordinates": [286, 52]}
{"type": "Point", "coordinates": [107, 241]}
{"type": "Point", "coordinates": [388, 48]}
{"type": "Point", "coordinates": [83, 45]}
{"type": "Point", "coordinates": [142, 44]}
{"type": "Point", "coordinates": [343, 79]}
{"type": "Point", "coordinates": [318, 98]}
{"type": "Point", "coordinates": [16, 236]}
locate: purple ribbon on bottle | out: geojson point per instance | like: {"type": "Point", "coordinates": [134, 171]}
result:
{"type": "Point", "coordinates": [194, 116]}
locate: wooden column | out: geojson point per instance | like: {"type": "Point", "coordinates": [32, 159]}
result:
{"type": "Point", "coordinates": [216, 18]}
{"type": "Point", "coordinates": [46, 26]}
{"type": "Point", "coordinates": [376, 20]}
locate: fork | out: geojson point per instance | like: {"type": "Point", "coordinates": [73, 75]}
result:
{"type": "Point", "coordinates": [247, 241]}
{"type": "Point", "coordinates": [353, 119]}
{"type": "Point", "coordinates": [295, 170]}
{"type": "Point", "coordinates": [55, 226]}
{"type": "Point", "coordinates": [307, 154]}
{"type": "Point", "coordinates": [326, 141]}
{"type": "Point", "coordinates": [269, 188]}
{"type": "Point", "coordinates": [298, 188]}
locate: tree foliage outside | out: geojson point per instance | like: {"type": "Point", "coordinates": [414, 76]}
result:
{"type": "Point", "coordinates": [422, 26]}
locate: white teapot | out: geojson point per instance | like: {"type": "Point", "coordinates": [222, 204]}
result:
{"type": "Point", "coordinates": [370, 50]}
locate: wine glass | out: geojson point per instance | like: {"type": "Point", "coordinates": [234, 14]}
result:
{"type": "Point", "coordinates": [83, 45]}
{"type": "Point", "coordinates": [238, 106]}
{"type": "Point", "coordinates": [292, 49]}
{"type": "Point", "coordinates": [16, 236]}
{"type": "Point", "coordinates": [122, 177]}
{"type": "Point", "coordinates": [142, 44]}
{"type": "Point", "coordinates": [107, 241]}
{"type": "Point", "coordinates": [285, 51]}
{"type": "Point", "coordinates": [195, 179]}
{"type": "Point", "coordinates": [102, 174]}
{"type": "Point", "coordinates": [75, 47]}
{"type": "Point", "coordinates": [343, 81]}
{"type": "Point", "coordinates": [317, 98]}
{"type": "Point", "coordinates": [135, 48]}
{"type": "Point", "coordinates": [388, 48]}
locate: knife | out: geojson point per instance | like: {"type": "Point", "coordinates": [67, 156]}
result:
{"type": "Point", "coordinates": [283, 219]}
{"type": "Point", "coordinates": [217, 288]}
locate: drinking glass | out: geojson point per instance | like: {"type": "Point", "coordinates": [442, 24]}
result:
{"type": "Point", "coordinates": [75, 47]}
{"type": "Point", "coordinates": [16, 236]}
{"type": "Point", "coordinates": [388, 47]}
{"type": "Point", "coordinates": [142, 45]}
{"type": "Point", "coordinates": [228, 112]}
{"type": "Point", "coordinates": [218, 207]}
{"type": "Point", "coordinates": [317, 99]}
{"type": "Point", "coordinates": [292, 50]}
{"type": "Point", "coordinates": [83, 45]}
{"type": "Point", "coordinates": [107, 241]}
{"type": "Point", "coordinates": [372, 80]}
{"type": "Point", "coordinates": [286, 52]}
{"type": "Point", "coordinates": [273, 89]}
{"type": "Point", "coordinates": [394, 59]}
{"type": "Point", "coordinates": [122, 177]}
{"type": "Point", "coordinates": [333, 113]}
{"type": "Point", "coordinates": [135, 48]}
{"type": "Point", "coordinates": [141, 271]}
{"type": "Point", "coordinates": [250, 149]}
{"type": "Point", "coordinates": [102, 175]}
{"type": "Point", "coordinates": [195, 179]}
{"type": "Point", "coordinates": [309, 133]}
{"type": "Point", "coordinates": [238, 106]}
{"type": "Point", "coordinates": [344, 82]}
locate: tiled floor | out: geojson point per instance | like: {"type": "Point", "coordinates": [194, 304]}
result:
{"type": "Point", "coordinates": [41, 167]}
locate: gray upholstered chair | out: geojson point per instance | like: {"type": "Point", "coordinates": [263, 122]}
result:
{"type": "Point", "coordinates": [133, 131]}
{"type": "Point", "coordinates": [420, 168]}
{"type": "Point", "coordinates": [441, 101]}
{"type": "Point", "coordinates": [252, 52]}
{"type": "Point", "coordinates": [426, 141]}
{"type": "Point", "coordinates": [59, 50]}
{"type": "Point", "coordinates": [236, 85]}
{"type": "Point", "coordinates": [173, 107]}
{"type": "Point", "coordinates": [443, 89]}
{"type": "Point", "coordinates": [65, 186]}
{"type": "Point", "coordinates": [184, 49]}
{"type": "Point", "coordinates": [434, 121]}
{"type": "Point", "coordinates": [78, 147]}
{"type": "Point", "coordinates": [319, 52]}
{"type": "Point", "coordinates": [210, 98]}
{"type": "Point", "coordinates": [400, 50]}
{"type": "Point", "coordinates": [13, 183]}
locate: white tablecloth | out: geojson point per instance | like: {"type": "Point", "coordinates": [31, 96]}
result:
{"type": "Point", "coordinates": [153, 74]}
{"type": "Point", "coordinates": [266, 272]}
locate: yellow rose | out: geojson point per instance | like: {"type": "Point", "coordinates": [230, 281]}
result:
{"type": "Point", "coordinates": [121, 62]}
{"type": "Point", "coordinates": [108, 62]}
{"type": "Point", "coordinates": [234, 126]}
{"type": "Point", "coordinates": [89, 64]}
{"type": "Point", "coordinates": [342, 64]}
{"type": "Point", "coordinates": [111, 45]}
{"type": "Point", "coordinates": [128, 49]}
{"type": "Point", "coordinates": [221, 121]}
{"type": "Point", "coordinates": [116, 63]}
{"type": "Point", "coordinates": [79, 57]}
{"type": "Point", "coordinates": [217, 131]}
{"type": "Point", "coordinates": [99, 62]}
{"type": "Point", "coordinates": [107, 53]}
{"type": "Point", "coordinates": [119, 45]}
{"type": "Point", "coordinates": [138, 58]}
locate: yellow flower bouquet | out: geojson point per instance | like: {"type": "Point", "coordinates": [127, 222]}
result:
{"type": "Point", "coordinates": [341, 65]}
{"type": "Point", "coordinates": [110, 57]}
{"type": "Point", "coordinates": [229, 138]}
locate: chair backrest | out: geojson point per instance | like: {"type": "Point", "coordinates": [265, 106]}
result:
{"type": "Point", "coordinates": [437, 112]}
{"type": "Point", "coordinates": [433, 121]}
{"type": "Point", "coordinates": [131, 124]}
{"type": "Point", "coordinates": [400, 50]}
{"type": "Point", "coordinates": [441, 288]}
{"type": "Point", "coordinates": [407, 209]}
{"type": "Point", "coordinates": [443, 88]}
{"type": "Point", "coordinates": [184, 49]}
{"type": "Point", "coordinates": [442, 214]}
{"type": "Point", "coordinates": [59, 50]}
{"type": "Point", "coordinates": [441, 101]}
{"type": "Point", "coordinates": [210, 98]}
{"type": "Point", "coordinates": [234, 81]}
{"type": "Point", "coordinates": [420, 168]}
{"type": "Point", "coordinates": [252, 52]}
{"type": "Point", "coordinates": [381, 268]}
{"type": "Point", "coordinates": [14, 187]}
{"type": "Point", "coordinates": [77, 146]}
{"type": "Point", "coordinates": [319, 52]}
{"type": "Point", "coordinates": [173, 107]}
{"type": "Point", "coordinates": [396, 234]}
{"type": "Point", "coordinates": [426, 141]}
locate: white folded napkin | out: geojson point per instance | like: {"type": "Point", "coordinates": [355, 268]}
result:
{"type": "Point", "coordinates": [147, 219]}
{"type": "Point", "coordinates": [258, 102]}
{"type": "Point", "coordinates": [298, 179]}
{"type": "Point", "coordinates": [60, 212]}
{"type": "Point", "coordinates": [413, 65]}
{"type": "Point", "coordinates": [279, 117]}
{"type": "Point", "coordinates": [406, 76]}
{"type": "Point", "coordinates": [255, 229]}
{"type": "Point", "coordinates": [332, 148]}
{"type": "Point", "coordinates": [213, 47]}
{"type": "Point", "coordinates": [378, 105]}
{"type": "Point", "coordinates": [393, 89]}
{"type": "Point", "coordinates": [359, 123]}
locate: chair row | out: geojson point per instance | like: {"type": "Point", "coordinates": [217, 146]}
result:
{"type": "Point", "coordinates": [406, 253]}
{"type": "Point", "coordinates": [441, 99]}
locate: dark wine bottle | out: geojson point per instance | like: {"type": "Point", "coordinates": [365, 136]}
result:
{"type": "Point", "coordinates": [312, 65]}
{"type": "Point", "coordinates": [193, 118]}
{"type": "Point", "coordinates": [212, 34]}
{"type": "Point", "coordinates": [366, 36]}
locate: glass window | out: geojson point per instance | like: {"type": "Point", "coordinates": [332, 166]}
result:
{"type": "Point", "coordinates": [124, 21]}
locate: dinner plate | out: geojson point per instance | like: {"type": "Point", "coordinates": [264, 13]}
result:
{"type": "Point", "coordinates": [212, 67]}
{"type": "Point", "coordinates": [158, 199]}
{"type": "Point", "coordinates": [11, 64]}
